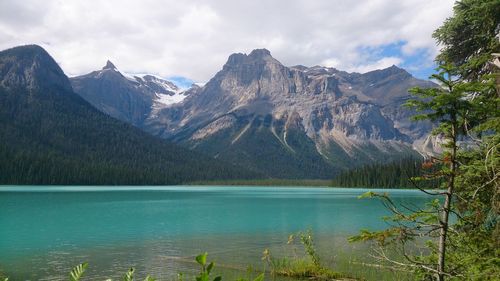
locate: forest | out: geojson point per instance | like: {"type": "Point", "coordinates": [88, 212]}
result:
{"type": "Point", "coordinates": [52, 136]}
{"type": "Point", "coordinates": [397, 174]}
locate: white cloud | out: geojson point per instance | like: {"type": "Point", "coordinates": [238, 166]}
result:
{"type": "Point", "coordinates": [379, 64]}
{"type": "Point", "coordinates": [331, 62]}
{"type": "Point", "coordinates": [193, 38]}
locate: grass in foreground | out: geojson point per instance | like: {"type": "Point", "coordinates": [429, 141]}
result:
{"type": "Point", "coordinates": [309, 267]}
{"type": "Point", "coordinates": [300, 268]}
{"type": "Point", "coordinates": [303, 268]}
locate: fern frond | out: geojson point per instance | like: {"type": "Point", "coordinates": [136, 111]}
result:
{"type": "Point", "coordinates": [129, 276]}
{"type": "Point", "coordinates": [77, 272]}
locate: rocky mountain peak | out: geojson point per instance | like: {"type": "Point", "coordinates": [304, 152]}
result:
{"type": "Point", "coordinates": [260, 53]}
{"type": "Point", "coordinates": [31, 67]}
{"type": "Point", "coordinates": [386, 72]}
{"type": "Point", "coordinates": [396, 69]}
{"type": "Point", "coordinates": [317, 117]}
{"type": "Point", "coordinates": [109, 65]}
{"type": "Point", "coordinates": [255, 55]}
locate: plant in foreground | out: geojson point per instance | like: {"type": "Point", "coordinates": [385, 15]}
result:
{"type": "Point", "coordinates": [204, 275]}
{"type": "Point", "coordinates": [78, 271]}
{"type": "Point", "coordinates": [309, 267]}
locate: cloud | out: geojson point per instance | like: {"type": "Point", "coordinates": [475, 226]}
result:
{"type": "Point", "coordinates": [379, 64]}
{"type": "Point", "coordinates": [193, 38]}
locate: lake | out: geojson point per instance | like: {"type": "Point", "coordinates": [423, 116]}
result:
{"type": "Point", "coordinates": [46, 230]}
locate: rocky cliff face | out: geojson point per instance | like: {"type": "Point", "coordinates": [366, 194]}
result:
{"type": "Point", "coordinates": [128, 98]}
{"type": "Point", "coordinates": [292, 122]}
{"type": "Point", "coordinates": [312, 121]}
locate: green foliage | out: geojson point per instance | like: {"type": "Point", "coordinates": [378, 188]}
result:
{"type": "Point", "coordinates": [204, 274]}
{"type": "Point", "coordinates": [306, 238]}
{"type": "Point", "coordinates": [54, 137]}
{"type": "Point", "coordinates": [250, 271]}
{"type": "Point", "coordinates": [202, 259]}
{"type": "Point", "coordinates": [476, 247]}
{"type": "Point", "coordinates": [129, 276]}
{"type": "Point", "coordinates": [455, 111]}
{"type": "Point", "coordinates": [296, 267]}
{"type": "Point", "coordinates": [205, 271]}
{"type": "Point", "coordinates": [466, 111]}
{"type": "Point", "coordinates": [405, 226]}
{"type": "Point", "coordinates": [473, 241]}
{"type": "Point", "coordinates": [77, 272]}
{"type": "Point", "coordinates": [303, 269]}
{"type": "Point", "coordinates": [3, 276]}
{"type": "Point", "coordinates": [448, 106]}
{"type": "Point", "coordinates": [404, 173]}
{"type": "Point", "coordinates": [259, 149]}
{"type": "Point", "coordinates": [470, 36]}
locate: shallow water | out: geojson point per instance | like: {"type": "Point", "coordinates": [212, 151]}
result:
{"type": "Point", "coordinates": [45, 230]}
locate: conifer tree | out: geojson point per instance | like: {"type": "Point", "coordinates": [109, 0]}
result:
{"type": "Point", "coordinates": [466, 109]}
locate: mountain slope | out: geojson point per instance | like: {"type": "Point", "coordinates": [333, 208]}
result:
{"type": "Point", "coordinates": [50, 135]}
{"type": "Point", "coordinates": [128, 98]}
{"type": "Point", "coordinates": [295, 122]}
{"type": "Point", "coordinates": [286, 122]}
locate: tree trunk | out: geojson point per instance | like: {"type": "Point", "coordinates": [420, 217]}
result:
{"type": "Point", "coordinates": [444, 231]}
{"type": "Point", "coordinates": [447, 205]}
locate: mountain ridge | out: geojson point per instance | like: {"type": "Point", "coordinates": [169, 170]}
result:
{"type": "Point", "coordinates": [279, 121]}
{"type": "Point", "coordinates": [337, 117]}
{"type": "Point", "coordinates": [51, 135]}
{"type": "Point", "coordinates": [129, 98]}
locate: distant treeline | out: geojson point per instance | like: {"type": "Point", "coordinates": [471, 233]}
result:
{"type": "Point", "coordinates": [396, 174]}
{"type": "Point", "coordinates": [54, 137]}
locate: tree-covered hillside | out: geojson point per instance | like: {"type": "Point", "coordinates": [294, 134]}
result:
{"type": "Point", "coordinates": [396, 174]}
{"type": "Point", "coordinates": [50, 135]}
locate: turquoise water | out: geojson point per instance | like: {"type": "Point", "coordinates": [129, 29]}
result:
{"type": "Point", "coordinates": [46, 230]}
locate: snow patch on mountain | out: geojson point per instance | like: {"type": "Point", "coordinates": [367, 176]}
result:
{"type": "Point", "coordinates": [166, 92]}
{"type": "Point", "coordinates": [170, 99]}
{"type": "Point", "coordinates": [131, 97]}
{"type": "Point", "coordinates": [129, 77]}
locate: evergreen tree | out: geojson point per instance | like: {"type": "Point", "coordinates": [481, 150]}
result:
{"type": "Point", "coordinates": [470, 36]}
{"type": "Point", "coordinates": [396, 174]}
{"type": "Point", "coordinates": [466, 109]}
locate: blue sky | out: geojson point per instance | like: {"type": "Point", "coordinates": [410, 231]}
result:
{"type": "Point", "coordinates": [193, 38]}
{"type": "Point", "coordinates": [419, 63]}
{"type": "Point", "coordinates": [180, 81]}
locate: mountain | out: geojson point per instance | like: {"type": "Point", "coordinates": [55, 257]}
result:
{"type": "Point", "coordinates": [130, 98]}
{"type": "Point", "coordinates": [295, 122]}
{"type": "Point", "coordinates": [50, 135]}
{"type": "Point", "coordinates": [285, 122]}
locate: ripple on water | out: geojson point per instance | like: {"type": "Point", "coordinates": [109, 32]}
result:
{"type": "Point", "coordinates": [48, 230]}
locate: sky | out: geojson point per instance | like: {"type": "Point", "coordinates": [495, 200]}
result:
{"type": "Point", "coordinates": [190, 40]}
